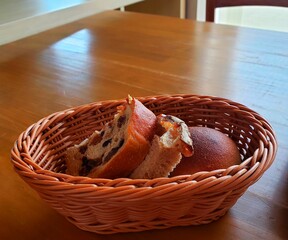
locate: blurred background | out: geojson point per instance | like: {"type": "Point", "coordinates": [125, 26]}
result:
{"type": "Point", "coordinates": [22, 18]}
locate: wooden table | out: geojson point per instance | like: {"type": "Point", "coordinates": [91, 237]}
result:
{"type": "Point", "coordinates": [111, 54]}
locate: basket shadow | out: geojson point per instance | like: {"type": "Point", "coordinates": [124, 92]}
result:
{"type": "Point", "coordinates": [280, 210]}
{"type": "Point", "coordinates": [52, 225]}
{"type": "Point", "coordinates": [205, 231]}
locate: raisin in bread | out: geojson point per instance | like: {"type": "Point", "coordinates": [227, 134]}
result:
{"type": "Point", "coordinates": [172, 139]}
{"type": "Point", "coordinates": [118, 148]}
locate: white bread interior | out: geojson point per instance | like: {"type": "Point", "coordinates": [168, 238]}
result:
{"type": "Point", "coordinates": [166, 150]}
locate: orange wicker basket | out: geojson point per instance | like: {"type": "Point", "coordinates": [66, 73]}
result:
{"type": "Point", "coordinates": [128, 205]}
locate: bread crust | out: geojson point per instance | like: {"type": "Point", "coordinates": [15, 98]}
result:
{"type": "Point", "coordinates": [212, 150]}
{"type": "Point", "coordinates": [171, 141]}
{"type": "Point", "coordinates": [140, 130]}
{"type": "Point", "coordinates": [126, 159]}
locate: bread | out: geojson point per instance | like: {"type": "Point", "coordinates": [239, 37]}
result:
{"type": "Point", "coordinates": [212, 150]}
{"type": "Point", "coordinates": [172, 139]}
{"type": "Point", "coordinates": [118, 148]}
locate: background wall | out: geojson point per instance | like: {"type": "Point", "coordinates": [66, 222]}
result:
{"type": "Point", "coordinates": [158, 7]}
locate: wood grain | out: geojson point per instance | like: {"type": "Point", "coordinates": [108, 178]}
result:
{"type": "Point", "coordinates": [111, 54]}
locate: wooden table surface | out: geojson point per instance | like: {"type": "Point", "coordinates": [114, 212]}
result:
{"type": "Point", "coordinates": [111, 54]}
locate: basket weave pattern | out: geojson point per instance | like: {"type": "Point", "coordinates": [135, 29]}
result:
{"type": "Point", "coordinates": [126, 205]}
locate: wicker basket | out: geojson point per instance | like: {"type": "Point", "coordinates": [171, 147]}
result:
{"type": "Point", "coordinates": [126, 205]}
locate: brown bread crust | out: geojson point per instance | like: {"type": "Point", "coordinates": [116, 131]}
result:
{"type": "Point", "coordinates": [140, 129]}
{"type": "Point", "coordinates": [212, 150]}
{"type": "Point", "coordinates": [172, 139]}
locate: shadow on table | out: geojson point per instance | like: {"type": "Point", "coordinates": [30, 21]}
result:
{"type": "Point", "coordinates": [281, 208]}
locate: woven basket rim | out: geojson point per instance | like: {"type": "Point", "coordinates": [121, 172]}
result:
{"type": "Point", "coordinates": [145, 183]}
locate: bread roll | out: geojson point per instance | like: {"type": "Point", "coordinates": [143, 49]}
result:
{"type": "Point", "coordinates": [172, 139]}
{"type": "Point", "coordinates": [212, 150]}
{"type": "Point", "coordinates": [118, 148]}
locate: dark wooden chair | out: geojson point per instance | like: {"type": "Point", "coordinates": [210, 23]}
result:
{"type": "Point", "coordinates": [211, 5]}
